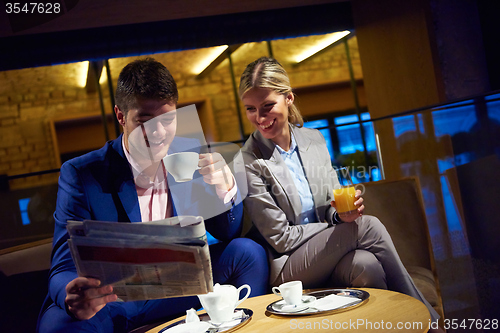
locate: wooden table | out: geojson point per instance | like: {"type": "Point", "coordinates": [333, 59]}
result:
{"type": "Point", "coordinates": [385, 311]}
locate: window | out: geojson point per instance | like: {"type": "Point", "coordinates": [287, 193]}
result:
{"type": "Point", "coordinates": [494, 107]}
{"type": "Point", "coordinates": [454, 120]}
{"type": "Point", "coordinates": [23, 207]}
{"type": "Point", "coordinates": [344, 140]}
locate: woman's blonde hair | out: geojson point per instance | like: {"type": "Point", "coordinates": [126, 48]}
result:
{"type": "Point", "coordinates": [268, 73]}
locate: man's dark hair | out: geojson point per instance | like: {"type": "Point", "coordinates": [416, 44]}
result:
{"type": "Point", "coordinates": [144, 79]}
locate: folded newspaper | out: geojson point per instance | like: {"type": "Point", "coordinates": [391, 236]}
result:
{"type": "Point", "coordinates": [148, 260]}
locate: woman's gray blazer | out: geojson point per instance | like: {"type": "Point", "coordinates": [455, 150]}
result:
{"type": "Point", "coordinates": [273, 202]}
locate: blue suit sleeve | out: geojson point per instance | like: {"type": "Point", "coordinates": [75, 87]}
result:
{"type": "Point", "coordinates": [228, 225]}
{"type": "Point", "coordinates": [71, 205]}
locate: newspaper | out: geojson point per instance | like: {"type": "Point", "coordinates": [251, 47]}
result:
{"type": "Point", "coordinates": [148, 260]}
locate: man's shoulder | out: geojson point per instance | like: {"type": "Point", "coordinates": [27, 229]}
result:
{"type": "Point", "coordinates": [96, 156]}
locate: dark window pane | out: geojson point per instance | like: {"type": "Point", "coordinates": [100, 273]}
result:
{"type": "Point", "coordinates": [404, 124]}
{"type": "Point", "coordinates": [326, 132]}
{"type": "Point", "coordinates": [349, 135]}
{"type": "Point", "coordinates": [454, 120]}
{"type": "Point", "coordinates": [23, 204]}
{"type": "Point", "coordinates": [369, 132]}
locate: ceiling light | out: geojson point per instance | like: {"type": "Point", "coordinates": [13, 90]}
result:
{"type": "Point", "coordinates": [321, 44]}
{"type": "Point", "coordinates": [81, 73]}
{"type": "Point", "coordinates": [210, 56]}
{"type": "Point", "coordinates": [103, 77]}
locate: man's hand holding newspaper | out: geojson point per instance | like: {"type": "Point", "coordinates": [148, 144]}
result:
{"type": "Point", "coordinates": [148, 260]}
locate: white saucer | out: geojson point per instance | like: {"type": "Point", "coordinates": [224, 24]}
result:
{"type": "Point", "coordinates": [281, 306]}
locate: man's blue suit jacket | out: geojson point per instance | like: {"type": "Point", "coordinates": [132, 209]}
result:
{"type": "Point", "coordinates": [100, 186]}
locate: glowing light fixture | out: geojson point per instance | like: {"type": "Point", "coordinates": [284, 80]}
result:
{"type": "Point", "coordinates": [103, 77]}
{"type": "Point", "coordinates": [321, 44]}
{"type": "Point", "coordinates": [81, 73]}
{"type": "Point", "coordinates": [211, 55]}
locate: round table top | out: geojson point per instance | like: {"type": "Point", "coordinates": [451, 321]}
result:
{"type": "Point", "coordinates": [384, 311]}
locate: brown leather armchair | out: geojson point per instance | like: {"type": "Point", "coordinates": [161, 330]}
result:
{"type": "Point", "coordinates": [399, 206]}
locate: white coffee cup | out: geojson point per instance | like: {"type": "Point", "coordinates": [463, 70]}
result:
{"type": "Point", "coordinates": [221, 303]}
{"type": "Point", "coordinates": [290, 291]}
{"type": "Point", "coordinates": [182, 165]}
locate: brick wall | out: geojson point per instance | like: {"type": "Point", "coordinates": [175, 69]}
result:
{"type": "Point", "coordinates": [30, 98]}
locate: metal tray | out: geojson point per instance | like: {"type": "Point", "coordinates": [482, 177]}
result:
{"type": "Point", "coordinates": [204, 317]}
{"type": "Point", "coordinates": [306, 311]}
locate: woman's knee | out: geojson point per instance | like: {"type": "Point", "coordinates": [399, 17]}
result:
{"type": "Point", "coordinates": [360, 268]}
{"type": "Point", "coordinates": [372, 225]}
{"type": "Point", "coordinates": [368, 271]}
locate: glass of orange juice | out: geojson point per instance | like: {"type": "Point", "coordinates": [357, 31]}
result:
{"type": "Point", "coordinates": [344, 192]}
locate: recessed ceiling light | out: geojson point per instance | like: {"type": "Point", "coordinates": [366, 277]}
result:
{"type": "Point", "coordinates": [328, 40]}
{"type": "Point", "coordinates": [82, 71]}
{"type": "Point", "coordinates": [210, 56]}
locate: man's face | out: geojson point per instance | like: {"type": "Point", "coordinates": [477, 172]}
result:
{"type": "Point", "coordinates": [148, 129]}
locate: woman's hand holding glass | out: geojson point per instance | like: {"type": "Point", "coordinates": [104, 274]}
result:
{"type": "Point", "coordinates": [347, 200]}
{"type": "Point", "coordinates": [352, 215]}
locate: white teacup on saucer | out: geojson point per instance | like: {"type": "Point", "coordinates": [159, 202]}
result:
{"type": "Point", "coordinates": [290, 291]}
{"type": "Point", "coordinates": [282, 306]}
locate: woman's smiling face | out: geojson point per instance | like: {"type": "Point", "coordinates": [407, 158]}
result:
{"type": "Point", "coordinates": [267, 110]}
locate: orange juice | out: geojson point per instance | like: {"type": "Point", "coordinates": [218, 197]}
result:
{"type": "Point", "coordinates": [344, 199]}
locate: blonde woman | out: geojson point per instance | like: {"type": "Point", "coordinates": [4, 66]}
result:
{"type": "Point", "coordinates": [290, 181]}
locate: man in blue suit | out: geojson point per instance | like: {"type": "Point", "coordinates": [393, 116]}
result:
{"type": "Point", "coordinates": [127, 182]}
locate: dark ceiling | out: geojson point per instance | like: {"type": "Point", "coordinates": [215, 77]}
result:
{"type": "Point", "coordinates": [31, 50]}
{"type": "Point", "coordinates": [91, 30]}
